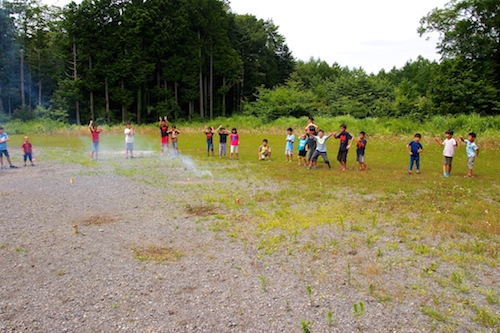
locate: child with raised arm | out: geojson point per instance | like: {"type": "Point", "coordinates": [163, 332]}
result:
{"type": "Point", "coordinates": [320, 149]}
{"type": "Point", "coordinates": [302, 149]}
{"type": "Point", "coordinates": [414, 149]}
{"type": "Point", "coordinates": [175, 141]}
{"type": "Point", "coordinates": [472, 152]}
{"type": "Point", "coordinates": [360, 152]}
{"type": "Point", "coordinates": [264, 151]}
{"type": "Point", "coordinates": [449, 145]}
{"type": "Point", "coordinates": [208, 131]}
{"type": "Point", "coordinates": [346, 141]}
{"type": "Point", "coordinates": [310, 123]}
{"type": "Point", "coordinates": [94, 132]}
{"type": "Point", "coordinates": [223, 134]}
{"type": "Point", "coordinates": [3, 149]}
{"type": "Point", "coordinates": [234, 138]}
{"type": "Point", "coordinates": [290, 139]}
{"type": "Point", "coordinates": [163, 125]}
{"type": "Point", "coordinates": [129, 141]}
{"type": "Point", "coordinates": [28, 151]}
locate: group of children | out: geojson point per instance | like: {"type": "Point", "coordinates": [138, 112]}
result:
{"type": "Point", "coordinates": [312, 144]}
{"type": "Point", "coordinates": [234, 141]}
{"type": "Point", "coordinates": [27, 150]}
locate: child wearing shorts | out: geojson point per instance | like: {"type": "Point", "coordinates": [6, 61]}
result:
{"type": "Point", "coordinates": [28, 151]}
{"type": "Point", "coordinates": [302, 149]}
{"type": "Point", "coordinates": [175, 142]}
{"type": "Point", "coordinates": [346, 141]}
{"type": "Point", "coordinates": [360, 152]}
{"type": "Point", "coordinates": [3, 149]}
{"type": "Point", "coordinates": [320, 149]}
{"type": "Point", "coordinates": [234, 138]}
{"type": "Point", "coordinates": [163, 125]}
{"type": "Point", "coordinates": [264, 151]}
{"type": "Point", "coordinates": [94, 132]}
{"type": "Point", "coordinates": [449, 145]}
{"type": "Point", "coordinates": [472, 152]}
{"type": "Point", "coordinates": [129, 141]}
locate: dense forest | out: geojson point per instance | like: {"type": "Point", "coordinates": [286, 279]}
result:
{"type": "Point", "coordinates": [121, 60]}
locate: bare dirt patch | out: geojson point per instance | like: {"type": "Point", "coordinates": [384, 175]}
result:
{"type": "Point", "coordinates": [201, 211]}
{"type": "Point", "coordinates": [98, 220]}
{"type": "Point", "coordinates": [157, 253]}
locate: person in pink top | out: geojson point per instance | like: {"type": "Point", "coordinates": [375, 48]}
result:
{"type": "Point", "coordinates": [235, 142]}
{"type": "Point", "coordinates": [94, 131]}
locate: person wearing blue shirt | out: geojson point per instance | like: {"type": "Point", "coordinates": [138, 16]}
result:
{"type": "Point", "coordinates": [290, 139]}
{"type": "Point", "coordinates": [472, 152]}
{"type": "Point", "coordinates": [414, 149]}
{"type": "Point", "coordinates": [302, 149]}
{"type": "Point", "coordinates": [3, 149]}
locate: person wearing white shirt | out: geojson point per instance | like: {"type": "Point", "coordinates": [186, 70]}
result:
{"type": "Point", "coordinates": [449, 145]}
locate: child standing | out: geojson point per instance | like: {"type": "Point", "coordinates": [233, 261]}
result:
{"type": "Point", "coordinates": [346, 141]}
{"type": "Point", "coordinates": [449, 150]}
{"type": "Point", "coordinates": [28, 151]}
{"type": "Point", "coordinates": [311, 143]}
{"type": "Point", "coordinates": [129, 140]}
{"type": "Point", "coordinates": [264, 151]}
{"type": "Point", "coordinates": [290, 139]}
{"type": "Point", "coordinates": [95, 132]}
{"type": "Point", "coordinates": [235, 142]}
{"type": "Point", "coordinates": [175, 144]}
{"type": "Point", "coordinates": [472, 152]}
{"type": "Point", "coordinates": [414, 149]}
{"type": "Point", "coordinates": [163, 125]}
{"type": "Point", "coordinates": [360, 152]}
{"type": "Point", "coordinates": [302, 149]}
{"type": "Point", "coordinates": [320, 149]}
{"type": "Point", "coordinates": [223, 134]}
{"type": "Point", "coordinates": [210, 139]}
{"type": "Point", "coordinates": [3, 149]}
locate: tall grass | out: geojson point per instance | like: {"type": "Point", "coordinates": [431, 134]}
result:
{"type": "Point", "coordinates": [462, 124]}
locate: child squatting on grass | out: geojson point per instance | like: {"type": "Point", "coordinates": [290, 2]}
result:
{"type": "Point", "coordinates": [449, 145]}
{"type": "Point", "coordinates": [290, 139]}
{"type": "Point", "coordinates": [264, 151]}
{"type": "Point", "coordinates": [414, 149]}
{"type": "Point", "coordinates": [28, 151]}
{"type": "Point", "coordinates": [3, 149]}
{"type": "Point", "coordinates": [472, 152]}
{"type": "Point", "coordinates": [320, 149]}
{"type": "Point", "coordinates": [94, 132]}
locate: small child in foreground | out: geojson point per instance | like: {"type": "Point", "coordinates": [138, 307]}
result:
{"type": "Point", "coordinates": [290, 139]}
{"type": "Point", "coordinates": [472, 152]}
{"type": "Point", "coordinates": [3, 149]}
{"type": "Point", "coordinates": [360, 152]}
{"type": "Point", "coordinates": [449, 150]}
{"type": "Point", "coordinates": [302, 149]}
{"type": "Point", "coordinates": [28, 151]}
{"type": "Point", "coordinates": [414, 149]}
{"type": "Point", "coordinates": [94, 132]}
{"type": "Point", "coordinates": [264, 151]}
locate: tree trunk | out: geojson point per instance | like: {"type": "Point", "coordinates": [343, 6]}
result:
{"type": "Point", "coordinates": [165, 87]}
{"type": "Point", "coordinates": [106, 96]}
{"type": "Point", "coordinates": [21, 74]}
{"type": "Point", "coordinates": [176, 93]}
{"type": "Point", "coordinates": [124, 110]}
{"type": "Point", "coordinates": [205, 91]}
{"type": "Point", "coordinates": [1, 99]}
{"type": "Point", "coordinates": [158, 76]}
{"type": "Point", "coordinates": [191, 109]}
{"type": "Point", "coordinates": [91, 93]}
{"type": "Point", "coordinates": [224, 97]}
{"type": "Point", "coordinates": [202, 112]}
{"type": "Point", "coordinates": [39, 77]}
{"type": "Point", "coordinates": [10, 106]}
{"type": "Point", "coordinates": [211, 86]}
{"type": "Point", "coordinates": [139, 105]}
{"type": "Point", "coordinates": [75, 77]}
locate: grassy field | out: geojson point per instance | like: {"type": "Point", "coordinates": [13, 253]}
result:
{"type": "Point", "coordinates": [427, 238]}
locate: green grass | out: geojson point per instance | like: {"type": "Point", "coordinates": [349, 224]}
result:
{"type": "Point", "coordinates": [443, 235]}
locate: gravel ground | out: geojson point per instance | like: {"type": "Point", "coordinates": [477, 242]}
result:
{"type": "Point", "coordinates": [54, 280]}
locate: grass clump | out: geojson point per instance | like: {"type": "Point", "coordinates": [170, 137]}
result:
{"type": "Point", "coordinates": [157, 254]}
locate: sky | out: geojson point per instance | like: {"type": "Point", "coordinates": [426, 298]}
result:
{"type": "Point", "coordinates": [372, 34]}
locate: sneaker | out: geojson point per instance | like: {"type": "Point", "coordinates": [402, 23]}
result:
{"type": "Point", "coordinates": [446, 175]}
{"type": "Point", "coordinates": [409, 172]}
{"type": "Point", "coordinates": [418, 172]}
{"type": "Point", "coordinates": [97, 160]}
{"type": "Point", "coordinates": [132, 156]}
{"type": "Point", "coordinates": [13, 167]}
{"type": "Point", "coordinates": [2, 167]}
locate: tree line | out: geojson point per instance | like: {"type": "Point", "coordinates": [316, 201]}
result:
{"type": "Point", "coordinates": [121, 60]}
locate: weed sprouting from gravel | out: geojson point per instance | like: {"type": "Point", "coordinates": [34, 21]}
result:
{"type": "Point", "coordinates": [359, 309]}
{"type": "Point", "coordinates": [329, 318]}
{"type": "Point", "coordinates": [305, 326]}
{"type": "Point", "coordinates": [157, 254]}
{"type": "Point", "coordinates": [263, 282]}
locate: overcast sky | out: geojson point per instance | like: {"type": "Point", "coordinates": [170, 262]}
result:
{"type": "Point", "coordinates": [356, 33]}
{"type": "Point", "coordinates": [372, 34]}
